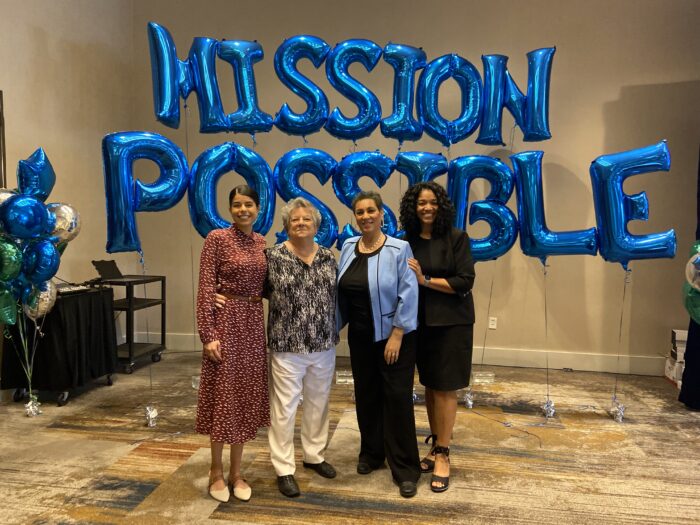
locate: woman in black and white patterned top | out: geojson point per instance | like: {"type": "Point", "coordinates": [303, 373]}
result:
{"type": "Point", "coordinates": [301, 334]}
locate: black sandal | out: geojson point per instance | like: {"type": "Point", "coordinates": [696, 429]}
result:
{"type": "Point", "coordinates": [445, 480]}
{"type": "Point", "coordinates": [429, 463]}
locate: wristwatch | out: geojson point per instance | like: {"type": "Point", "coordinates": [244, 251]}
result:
{"type": "Point", "coordinates": [426, 278]}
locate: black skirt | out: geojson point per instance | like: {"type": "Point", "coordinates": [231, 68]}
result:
{"type": "Point", "coordinates": [444, 356]}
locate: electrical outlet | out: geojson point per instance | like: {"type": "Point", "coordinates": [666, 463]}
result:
{"type": "Point", "coordinates": [493, 323]}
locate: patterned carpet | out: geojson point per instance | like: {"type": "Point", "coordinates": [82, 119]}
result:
{"type": "Point", "coordinates": [94, 461]}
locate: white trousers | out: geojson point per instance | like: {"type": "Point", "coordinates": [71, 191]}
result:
{"type": "Point", "coordinates": [291, 374]}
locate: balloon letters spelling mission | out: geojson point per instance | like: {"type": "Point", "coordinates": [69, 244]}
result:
{"type": "Point", "coordinates": [482, 106]}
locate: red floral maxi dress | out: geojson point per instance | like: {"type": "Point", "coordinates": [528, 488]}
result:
{"type": "Point", "coordinates": [233, 397]}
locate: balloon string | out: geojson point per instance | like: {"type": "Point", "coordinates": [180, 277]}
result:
{"type": "Point", "coordinates": [512, 137]}
{"type": "Point", "coordinates": [546, 327]}
{"type": "Point", "coordinates": [628, 275]}
{"type": "Point", "coordinates": [189, 228]}
{"type": "Point", "coordinates": [488, 313]}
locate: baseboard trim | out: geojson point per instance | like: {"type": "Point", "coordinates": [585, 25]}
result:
{"type": "Point", "coordinates": [527, 358]}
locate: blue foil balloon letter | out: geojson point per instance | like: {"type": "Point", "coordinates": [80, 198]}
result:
{"type": "Point", "coordinates": [366, 53]}
{"type": "Point", "coordinates": [535, 239]}
{"type": "Point", "coordinates": [405, 60]}
{"type": "Point", "coordinates": [493, 209]}
{"type": "Point", "coordinates": [242, 54]}
{"type": "Point", "coordinates": [350, 169]}
{"type": "Point", "coordinates": [531, 112]}
{"type": "Point", "coordinates": [173, 78]}
{"type": "Point", "coordinates": [125, 196]}
{"type": "Point", "coordinates": [288, 54]}
{"type": "Point", "coordinates": [469, 81]}
{"type": "Point", "coordinates": [614, 208]}
{"type": "Point", "coordinates": [208, 169]}
{"type": "Point", "coordinates": [287, 172]}
{"type": "Point", "coordinates": [420, 166]}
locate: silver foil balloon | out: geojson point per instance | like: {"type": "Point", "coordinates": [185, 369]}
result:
{"type": "Point", "coordinates": [5, 194]}
{"type": "Point", "coordinates": [67, 221]}
{"type": "Point", "coordinates": [44, 302]}
{"type": "Point", "coordinates": [548, 409]}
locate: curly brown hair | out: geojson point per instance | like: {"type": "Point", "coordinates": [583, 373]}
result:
{"type": "Point", "coordinates": [443, 218]}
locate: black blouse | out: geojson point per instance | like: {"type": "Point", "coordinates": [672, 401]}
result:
{"type": "Point", "coordinates": [354, 287]}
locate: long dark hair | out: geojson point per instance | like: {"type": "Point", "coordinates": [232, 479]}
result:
{"type": "Point", "coordinates": [246, 191]}
{"type": "Point", "coordinates": [443, 218]}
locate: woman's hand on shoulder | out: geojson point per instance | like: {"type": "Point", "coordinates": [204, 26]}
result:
{"type": "Point", "coordinates": [212, 351]}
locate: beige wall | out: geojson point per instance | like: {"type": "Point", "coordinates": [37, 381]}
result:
{"type": "Point", "coordinates": [625, 75]}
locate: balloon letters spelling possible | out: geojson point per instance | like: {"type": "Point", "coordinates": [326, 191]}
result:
{"type": "Point", "coordinates": [493, 209]}
{"type": "Point", "coordinates": [288, 54]}
{"type": "Point", "coordinates": [208, 169]}
{"type": "Point", "coordinates": [125, 196]}
{"type": "Point", "coordinates": [614, 209]}
{"type": "Point", "coordinates": [536, 240]}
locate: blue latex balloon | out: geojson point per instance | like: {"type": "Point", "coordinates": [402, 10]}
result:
{"type": "Point", "coordinates": [288, 54]}
{"type": "Point", "coordinates": [369, 112]}
{"type": "Point", "coordinates": [405, 60]}
{"type": "Point", "coordinates": [287, 173]}
{"type": "Point", "coordinates": [469, 81]}
{"type": "Point", "coordinates": [536, 240]}
{"type": "Point", "coordinates": [350, 169]}
{"type": "Point", "coordinates": [210, 166]}
{"type": "Point", "coordinates": [614, 208]}
{"type": "Point", "coordinates": [531, 112]}
{"type": "Point", "coordinates": [125, 196]}
{"type": "Point", "coordinates": [25, 217]}
{"type": "Point", "coordinates": [493, 209]}
{"type": "Point", "coordinates": [242, 54]}
{"type": "Point", "coordinates": [35, 175]}
{"type": "Point", "coordinates": [40, 261]}
{"type": "Point", "coordinates": [420, 166]}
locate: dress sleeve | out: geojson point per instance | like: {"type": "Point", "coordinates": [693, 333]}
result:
{"type": "Point", "coordinates": [463, 280]}
{"type": "Point", "coordinates": [407, 308]}
{"type": "Point", "coordinates": [206, 309]}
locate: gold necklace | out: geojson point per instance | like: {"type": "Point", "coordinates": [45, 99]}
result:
{"type": "Point", "coordinates": [375, 244]}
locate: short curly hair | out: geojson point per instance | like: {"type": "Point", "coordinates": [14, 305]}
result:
{"type": "Point", "coordinates": [445, 213]}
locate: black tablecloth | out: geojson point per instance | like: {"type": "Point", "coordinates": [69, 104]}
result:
{"type": "Point", "coordinates": [79, 344]}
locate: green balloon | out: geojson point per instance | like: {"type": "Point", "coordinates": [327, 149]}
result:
{"type": "Point", "coordinates": [691, 299]}
{"type": "Point", "coordinates": [8, 308]}
{"type": "Point", "coordinates": [10, 260]}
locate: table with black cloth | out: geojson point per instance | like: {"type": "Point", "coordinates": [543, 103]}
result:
{"type": "Point", "coordinates": [79, 345]}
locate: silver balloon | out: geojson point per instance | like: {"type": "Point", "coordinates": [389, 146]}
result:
{"type": "Point", "coordinates": [5, 194]}
{"type": "Point", "coordinates": [67, 221]}
{"type": "Point", "coordinates": [44, 302]}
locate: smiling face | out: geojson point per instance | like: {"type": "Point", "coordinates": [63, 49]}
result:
{"type": "Point", "coordinates": [301, 224]}
{"type": "Point", "coordinates": [244, 211]}
{"type": "Point", "coordinates": [427, 208]}
{"type": "Point", "coordinates": [368, 216]}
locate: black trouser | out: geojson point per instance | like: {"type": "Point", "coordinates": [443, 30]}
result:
{"type": "Point", "coordinates": [384, 405]}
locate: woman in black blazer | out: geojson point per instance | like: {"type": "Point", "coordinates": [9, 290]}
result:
{"type": "Point", "coordinates": [445, 270]}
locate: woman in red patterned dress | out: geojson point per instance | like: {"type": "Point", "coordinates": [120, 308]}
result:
{"type": "Point", "coordinates": [233, 397]}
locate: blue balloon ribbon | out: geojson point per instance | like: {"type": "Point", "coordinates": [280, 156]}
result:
{"type": "Point", "coordinates": [614, 208]}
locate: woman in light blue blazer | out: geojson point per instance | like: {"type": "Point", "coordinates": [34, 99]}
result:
{"type": "Point", "coordinates": [378, 299]}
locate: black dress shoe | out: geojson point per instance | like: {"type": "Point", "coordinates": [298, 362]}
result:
{"type": "Point", "coordinates": [288, 486]}
{"type": "Point", "coordinates": [324, 469]}
{"type": "Point", "coordinates": [364, 468]}
{"type": "Point", "coordinates": [407, 489]}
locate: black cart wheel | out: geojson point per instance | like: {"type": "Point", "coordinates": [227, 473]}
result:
{"type": "Point", "coordinates": [19, 394]}
{"type": "Point", "coordinates": [155, 357]}
{"type": "Point", "coordinates": [110, 382]}
{"type": "Point", "coordinates": [62, 398]}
